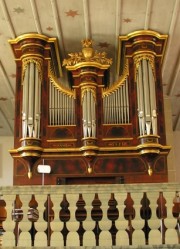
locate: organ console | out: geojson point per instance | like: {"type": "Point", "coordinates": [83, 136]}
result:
{"type": "Point", "coordinates": [88, 129]}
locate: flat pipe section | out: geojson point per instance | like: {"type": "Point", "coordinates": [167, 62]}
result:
{"type": "Point", "coordinates": [61, 107]}
{"type": "Point", "coordinates": [146, 99]}
{"type": "Point", "coordinates": [116, 105]}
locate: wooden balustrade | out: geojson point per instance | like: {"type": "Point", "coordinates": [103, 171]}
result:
{"type": "Point", "coordinates": [96, 215]}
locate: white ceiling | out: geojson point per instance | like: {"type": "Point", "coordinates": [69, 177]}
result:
{"type": "Point", "coordinates": [73, 20]}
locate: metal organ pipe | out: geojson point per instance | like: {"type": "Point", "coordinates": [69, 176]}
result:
{"type": "Point", "coordinates": [127, 100]}
{"type": "Point", "coordinates": [141, 101]}
{"type": "Point", "coordinates": [146, 99]}
{"type": "Point", "coordinates": [89, 114]}
{"type": "Point", "coordinates": [25, 102]}
{"type": "Point", "coordinates": [146, 96]}
{"type": "Point", "coordinates": [153, 101]}
{"type": "Point", "coordinates": [61, 106]}
{"type": "Point", "coordinates": [116, 105]}
{"type": "Point", "coordinates": [31, 99]}
{"type": "Point", "coordinates": [31, 106]}
{"type": "Point", "coordinates": [36, 105]}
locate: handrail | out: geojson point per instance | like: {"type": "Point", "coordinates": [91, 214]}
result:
{"type": "Point", "coordinates": [90, 215]}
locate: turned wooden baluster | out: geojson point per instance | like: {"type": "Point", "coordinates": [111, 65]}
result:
{"type": "Point", "coordinates": [161, 212]}
{"type": "Point", "coordinates": [105, 238]}
{"type": "Point", "coordinates": [33, 215]}
{"type": "Point", "coordinates": [176, 213]}
{"type": "Point", "coordinates": [138, 237]}
{"type": "Point", "coordinates": [64, 217]}
{"type": "Point", "coordinates": [72, 224]}
{"type": "Point", "coordinates": [17, 216]}
{"type": "Point", "coordinates": [171, 221]}
{"type": "Point", "coordinates": [96, 215]}
{"type": "Point", "coordinates": [41, 224]}
{"type": "Point", "coordinates": [56, 224]}
{"type": "Point", "coordinates": [113, 215]}
{"type": "Point", "coordinates": [129, 214]}
{"type": "Point", "coordinates": [48, 217]}
{"type": "Point", "coordinates": [3, 216]}
{"type": "Point", "coordinates": [89, 223]}
{"type": "Point", "coordinates": [25, 225]}
{"type": "Point", "coordinates": [145, 213]}
{"type": "Point", "coordinates": [81, 215]}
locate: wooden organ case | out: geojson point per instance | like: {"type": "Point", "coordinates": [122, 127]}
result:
{"type": "Point", "coordinates": [90, 131]}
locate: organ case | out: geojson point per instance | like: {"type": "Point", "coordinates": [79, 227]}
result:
{"type": "Point", "coordinates": [88, 129]}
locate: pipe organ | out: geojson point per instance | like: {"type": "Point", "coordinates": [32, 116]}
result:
{"type": "Point", "coordinates": [90, 130]}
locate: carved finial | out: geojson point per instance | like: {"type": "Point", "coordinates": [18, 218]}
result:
{"type": "Point", "coordinates": [87, 55]}
{"type": "Point", "coordinates": [29, 174]}
{"type": "Point", "coordinates": [150, 171]}
{"type": "Point", "coordinates": [87, 43]}
{"type": "Point", "coordinates": [87, 49]}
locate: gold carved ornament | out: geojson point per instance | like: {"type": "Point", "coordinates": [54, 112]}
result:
{"type": "Point", "coordinates": [87, 55]}
{"type": "Point", "coordinates": [58, 85]}
{"type": "Point", "coordinates": [34, 60]}
{"type": "Point", "coordinates": [86, 89]}
{"type": "Point", "coordinates": [117, 84]}
{"type": "Point", "coordinates": [139, 58]}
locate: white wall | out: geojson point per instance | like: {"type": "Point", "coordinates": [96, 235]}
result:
{"type": "Point", "coordinates": [177, 154]}
{"type": "Point", "coordinates": [169, 140]}
{"type": "Point", "coordinates": [6, 161]}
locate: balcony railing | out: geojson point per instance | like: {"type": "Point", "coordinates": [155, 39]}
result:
{"type": "Point", "coordinates": [95, 215]}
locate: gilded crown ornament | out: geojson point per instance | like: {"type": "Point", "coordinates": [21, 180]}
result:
{"type": "Point", "coordinates": [88, 54]}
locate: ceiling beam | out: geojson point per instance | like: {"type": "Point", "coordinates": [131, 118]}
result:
{"type": "Point", "coordinates": [8, 19]}
{"type": "Point", "coordinates": [7, 82]}
{"type": "Point", "coordinates": [175, 16]}
{"type": "Point", "coordinates": [36, 16]}
{"type": "Point", "coordinates": [86, 19]}
{"type": "Point", "coordinates": [117, 30]}
{"type": "Point", "coordinates": [148, 14]}
{"type": "Point", "coordinates": [176, 122]}
{"type": "Point", "coordinates": [58, 27]}
{"type": "Point", "coordinates": [6, 121]}
{"type": "Point", "coordinates": [174, 77]}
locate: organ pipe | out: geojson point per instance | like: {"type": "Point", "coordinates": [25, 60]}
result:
{"type": "Point", "coordinates": [127, 100]}
{"type": "Point", "coordinates": [89, 114]}
{"type": "Point", "coordinates": [61, 104]}
{"type": "Point", "coordinates": [31, 104]}
{"type": "Point", "coordinates": [146, 98]}
{"type": "Point", "coordinates": [25, 103]}
{"type": "Point", "coordinates": [116, 105]}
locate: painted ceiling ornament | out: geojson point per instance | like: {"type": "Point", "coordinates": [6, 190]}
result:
{"type": "Point", "coordinates": [3, 99]}
{"type": "Point", "coordinates": [127, 20]}
{"type": "Point", "coordinates": [88, 54]}
{"type": "Point", "coordinates": [13, 75]}
{"type": "Point", "coordinates": [72, 13]}
{"type": "Point", "coordinates": [49, 28]}
{"type": "Point", "coordinates": [18, 10]}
